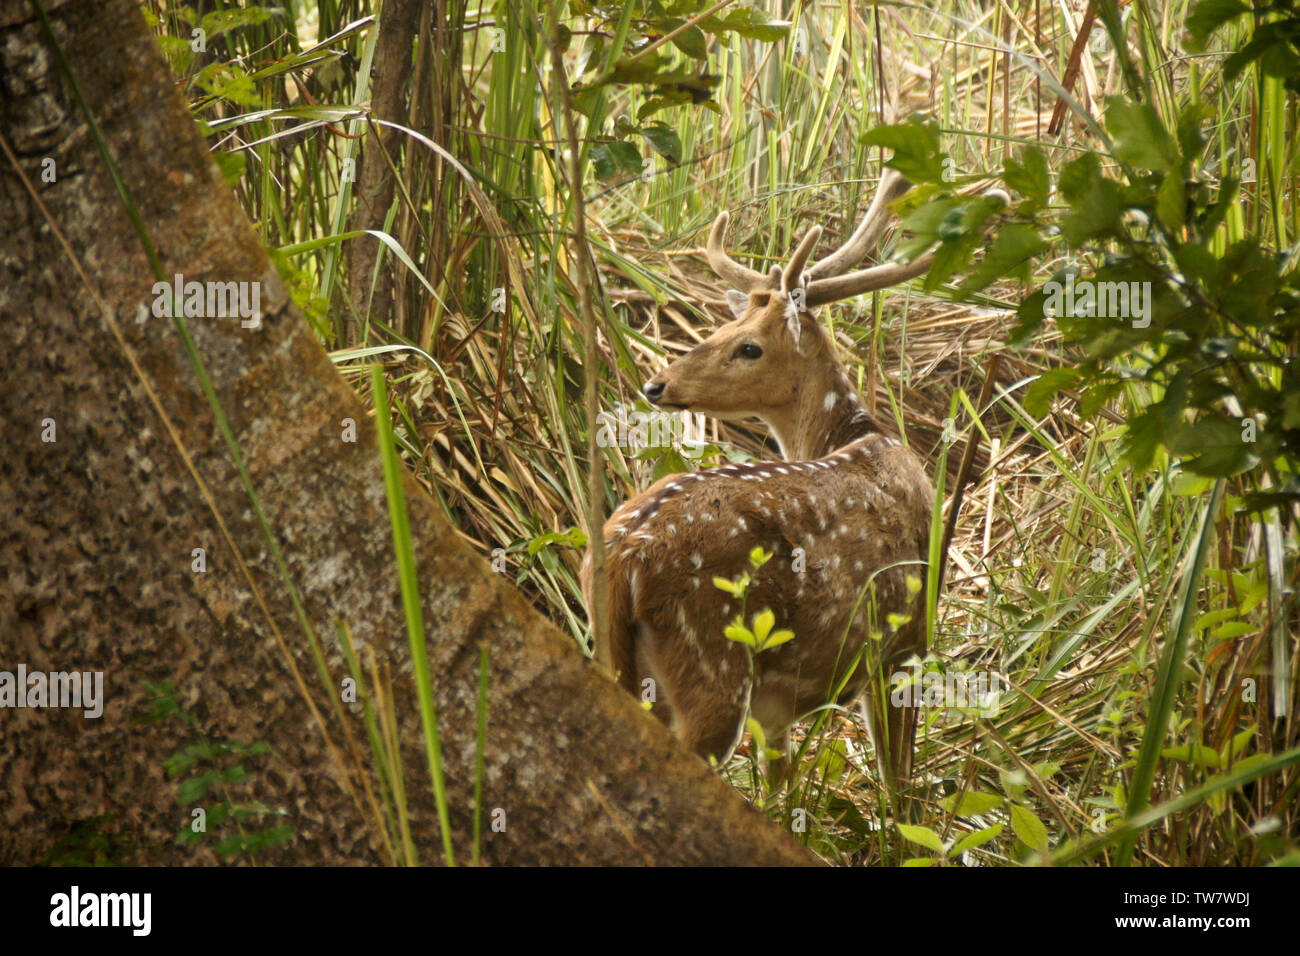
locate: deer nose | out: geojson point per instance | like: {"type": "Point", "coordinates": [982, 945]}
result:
{"type": "Point", "coordinates": [653, 390]}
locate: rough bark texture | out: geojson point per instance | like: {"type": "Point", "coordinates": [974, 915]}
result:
{"type": "Point", "coordinates": [97, 529]}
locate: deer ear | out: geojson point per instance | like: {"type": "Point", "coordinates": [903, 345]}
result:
{"type": "Point", "coordinates": [738, 301]}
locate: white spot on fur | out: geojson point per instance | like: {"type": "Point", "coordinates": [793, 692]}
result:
{"type": "Point", "coordinates": [829, 401]}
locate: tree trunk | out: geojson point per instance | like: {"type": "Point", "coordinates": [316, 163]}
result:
{"type": "Point", "coordinates": [398, 21]}
{"type": "Point", "coordinates": [99, 527]}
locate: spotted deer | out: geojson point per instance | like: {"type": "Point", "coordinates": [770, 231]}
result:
{"type": "Point", "coordinates": [846, 517]}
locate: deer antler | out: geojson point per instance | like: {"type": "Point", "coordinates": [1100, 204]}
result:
{"type": "Point", "coordinates": [790, 278]}
{"type": "Point", "coordinates": [864, 238]}
{"type": "Point", "coordinates": [742, 277]}
{"type": "Point", "coordinates": [827, 280]}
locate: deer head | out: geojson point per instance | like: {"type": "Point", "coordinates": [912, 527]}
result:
{"type": "Point", "coordinates": [774, 360]}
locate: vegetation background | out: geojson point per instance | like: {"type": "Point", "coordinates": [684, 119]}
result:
{"type": "Point", "coordinates": [1125, 556]}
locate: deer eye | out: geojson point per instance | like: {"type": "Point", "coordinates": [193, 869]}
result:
{"type": "Point", "coordinates": [750, 351]}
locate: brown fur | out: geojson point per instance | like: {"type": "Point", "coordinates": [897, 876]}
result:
{"type": "Point", "coordinates": [856, 503]}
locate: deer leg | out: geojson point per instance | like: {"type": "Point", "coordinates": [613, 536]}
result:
{"type": "Point", "coordinates": [900, 722]}
{"type": "Point", "coordinates": [888, 726]}
{"type": "Point", "coordinates": [775, 708]}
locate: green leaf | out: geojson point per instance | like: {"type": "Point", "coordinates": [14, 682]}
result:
{"type": "Point", "coordinates": [1029, 828]}
{"type": "Point", "coordinates": [1211, 618]}
{"type": "Point", "coordinates": [232, 166]}
{"type": "Point", "coordinates": [1171, 202]}
{"type": "Point", "coordinates": [1078, 176]}
{"type": "Point", "coordinates": [669, 462]}
{"type": "Point", "coordinates": [1011, 253]}
{"type": "Point", "coordinates": [918, 153]}
{"type": "Point", "coordinates": [611, 159]}
{"type": "Point", "coordinates": [750, 23]}
{"type": "Point", "coordinates": [735, 588]}
{"type": "Point", "coordinates": [1191, 134]}
{"type": "Point", "coordinates": [196, 787]}
{"type": "Point", "coordinates": [1215, 443]}
{"type": "Point", "coordinates": [972, 840]}
{"type": "Point", "coordinates": [1140, 137]}
{"type": "Point", "coordinates": [1198, 754]}
{"type": "Point", "coordinates": [1039, 397]}
{"type": "Point", "coordinates": [1185, 483]}
{"type": "Point", "coordinates": [1242, 740]}
{"type": "Point", "coordinates": [741, 635]}
{"type": "Point", "coordinates": [572, 538]}
{"type": "Point", "coordinates": [1208, 16]}
{"type": "Point", "coordinates": [778, 638]}
{"type": "Point", "coordinates": [664, 99]}
{"type": "Point", "coordinates": [1233, 629]}
{"type": "Point", "coordinates": [972, 803]}
{"type": "Point", "coordinates": [1029, 177]}
{"type": "Point", "coordinates": [923, 836]}
{"type": "Point", "coordinates": [1291, 411]}
{"type": "Point", "coordinates": [664, 141]}
{"type": "Point", "coordinates": [692, 42]}
{"type": "Point", "coordinates": [223, 21]}
{"type": "Point", "coordinates": [231, 845]}
{"type": "Point", "coordinates": [1047, 769]}
{"type": "Point", "coordinates": [763, 623]}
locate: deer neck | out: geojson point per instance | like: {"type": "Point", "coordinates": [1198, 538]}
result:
{"type": "Point", "coordinates": [827, 414]}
